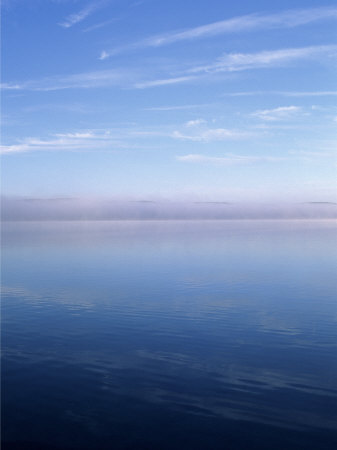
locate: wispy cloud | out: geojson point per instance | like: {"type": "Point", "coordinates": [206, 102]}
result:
{"type": "Point", "coordinates": [163, 82]}
{"type": "Point", "coordinates": [75, 18]}
{"type": "Point", "coordinates": [87, 140]}
{"type": "Point", "coordinates": [312, 154]}
{"type": "Point", "coordinates": [229, 159]}
{"type": "Point", "coordinates": [11, 86]}
{"type": "Point", "coordinates": [234, 62]}
{"type": "Point", "coordinates": [280, 113]}
{"type": "Point", "coordinates": [96, 79]}
{"type": "Point", "coordinates": [103, 55]}
{"type": "Point", "coordinates": [84, 80]}
{"type": "Point", "coordinates": [311, 94]}
{"type": "Point", "coordinates": [230, 62]}
{"type": "Point", "coordinates": [282, 93]}
{"type": "Point", "coordinates": [211, 134]}
{"type": "Point", "coordinates": [252, 22]}
{"type": "Point", "coordinates": [127, 136]}
{"type": "Point", "coordinates": [177, 107]}
{"type": "Point", "coordinates": [233, 159]}
{"type": "Point", "coordinates": [133, 78]}
{"type": "Point", "coordinates": [196, 122]}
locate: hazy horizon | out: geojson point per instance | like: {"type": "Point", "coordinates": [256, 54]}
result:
{"type": "Point", "coordinates": [30, 208]}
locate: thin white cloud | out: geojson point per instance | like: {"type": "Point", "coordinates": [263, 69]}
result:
{"type": "Point", "coordinates": [196, 122]}
{"type": "Point", "coordinates": [163, 82]}
{"type": "Point", "coordinates": [82, 135]}
{"type": "Point", "coordinates": [130, 78]}
{"type": "Point", "coordinates": [75, 18]}
{"type": "Point", "coordinates": [228, 160]}
{"type": "Point", "coordinates": [211, 134]}
{"type": "Point", "coordinates": [231, 62]}
{"type": "Point", "coordinates": [234, 62]}
{"type": "Point", "coordinates": [282, 93]}
{"type": "Point", "coordinates": [123, 137]}
{"type": "Point", "coordinates": [313, 154]}
{"type": "Point", "coordinates": [252, 22]}
{"type": "Point", "coordinates": [311, 94]}
{"type": "Point", "coordinates": [233, 159]}
{"type": "Point", "coordinates": [103, 55]}
{"type": "Point", "coordinates": [280, 113]}
{"type": "Point", "coordinates": [97, 79]}
{"type": "Point", "coordinates": [177, 107]}
{"type": "Point", "coordinates": [87, 140]}
{"type": "Point", "coordinates": [10, 87]}
{"type": "Point", "coordinates": [84, 80]}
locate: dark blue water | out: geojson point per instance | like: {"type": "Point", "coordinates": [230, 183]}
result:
{"type": "Point", "coordinates": [179, 335]}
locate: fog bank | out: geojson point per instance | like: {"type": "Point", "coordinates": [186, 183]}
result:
{"type": "Point", "coordinates": [24, 208]}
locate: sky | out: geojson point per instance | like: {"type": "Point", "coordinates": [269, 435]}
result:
{"type": "Point", "coordinates": [171, 100]}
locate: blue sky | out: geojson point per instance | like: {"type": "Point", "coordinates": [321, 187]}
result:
{"type": "Point", "coordinates": [206, 100]}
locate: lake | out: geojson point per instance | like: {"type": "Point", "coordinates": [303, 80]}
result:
{"type": "Point", "coordinates": [169, 335]}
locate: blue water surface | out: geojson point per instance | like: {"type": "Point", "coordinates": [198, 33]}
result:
{"type": "Point", "coordinates": [169, 335]}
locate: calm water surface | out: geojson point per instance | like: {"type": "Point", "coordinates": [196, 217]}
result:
{"type": "Point", "coordinates": [169, 335]}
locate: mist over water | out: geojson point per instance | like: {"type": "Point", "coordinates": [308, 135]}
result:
{"type": "Point", "coordinates": [169, 334]}
{"type": "Point", "coordinates": [30, 208]}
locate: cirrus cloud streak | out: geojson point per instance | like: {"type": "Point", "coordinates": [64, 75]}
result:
{"type": "Point", "coordinates": [251, 22]}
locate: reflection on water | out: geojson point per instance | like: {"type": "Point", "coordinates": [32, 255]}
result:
{"type": "Point", "coordinates": [157, 335]}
